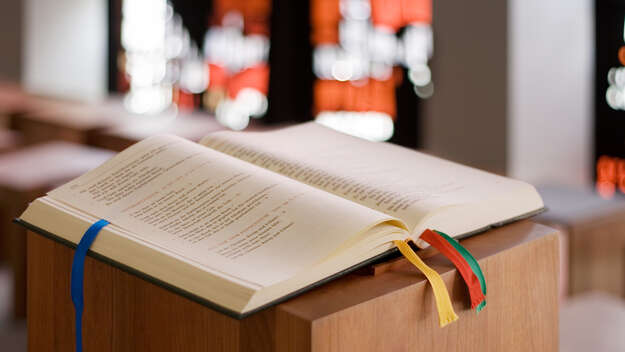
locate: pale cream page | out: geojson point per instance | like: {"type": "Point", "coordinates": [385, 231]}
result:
{"type": "Point", "coordinates": [397, 181]}
{"type": "Point", "coordinates": [217, 211]}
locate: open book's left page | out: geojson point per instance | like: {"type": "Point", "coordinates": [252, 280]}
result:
{"type": "Point", "coordinates": [216, 211]}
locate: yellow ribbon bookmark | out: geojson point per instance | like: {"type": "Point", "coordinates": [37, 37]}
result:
{"type": "Point", "coordinates": [446, 312]}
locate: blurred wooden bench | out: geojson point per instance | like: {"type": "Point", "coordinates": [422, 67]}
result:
{"type": "Point", "coordinates": [592, 321]}
{"type": "Point", "coordinates": [64, 120]}
{"type": "Point", "coordinates": [25, 175]}
{"type": "Point", "coordinates": [14, 101]}
{"type": "Point", "coordinates": [136, 128]}
{"type": "Point", "coordinates": [9, 140]}
{"type": "Point", "coordinates": [595, 231]}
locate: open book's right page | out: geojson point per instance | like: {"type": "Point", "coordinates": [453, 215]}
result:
{"type": "Point", "coordinates": [422, 190]}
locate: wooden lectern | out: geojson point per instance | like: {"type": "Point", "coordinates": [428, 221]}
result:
{"type": "Point", "coordinates": [390, 310]}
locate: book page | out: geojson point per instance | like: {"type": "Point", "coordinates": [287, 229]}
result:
{"type": "Point", "coordinates": [217, 211]}
{"type": "Point", "coordinates": [397, 181]}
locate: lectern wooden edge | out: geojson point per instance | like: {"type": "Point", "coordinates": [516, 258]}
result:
{"type": "Point", "coordinates": [392, 311]}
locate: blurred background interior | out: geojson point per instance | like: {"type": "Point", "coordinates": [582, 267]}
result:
{"type": "Point", "coordinates": [526, 88]}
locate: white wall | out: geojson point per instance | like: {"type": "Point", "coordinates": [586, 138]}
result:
{"type": "Point", "coordinates": [550, 90]}
{"type": "Point", "coordinates": [65, 48]}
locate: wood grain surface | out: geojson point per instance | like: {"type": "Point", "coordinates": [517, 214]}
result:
{"type": "Point", "coordinates": [391, 311]}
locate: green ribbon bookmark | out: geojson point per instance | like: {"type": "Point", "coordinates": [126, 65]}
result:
{"type": "Point", "coordinates": [472, 263]}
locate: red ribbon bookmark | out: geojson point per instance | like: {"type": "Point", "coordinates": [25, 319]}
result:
{"type": "Point", "coordinates": [475, 290]}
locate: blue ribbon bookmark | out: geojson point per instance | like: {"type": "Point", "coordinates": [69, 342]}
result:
{"type": "Point", "coordinates": [78, 271]}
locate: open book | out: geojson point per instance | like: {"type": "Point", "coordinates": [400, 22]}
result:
{"type": "Point", "coordinates": [242, 220]}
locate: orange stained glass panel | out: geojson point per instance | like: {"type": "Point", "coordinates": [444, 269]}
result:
{"type": "Point", "coordinates": [324, 17]}
{"type": "Point", "coordinates": [370, 95]}
{"type": "Point", "coordinates": [256, 77]}
{"type": "Point", "coordinates": [621, 55]}
{"type": "Point", "coordinates": [217, 76]}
